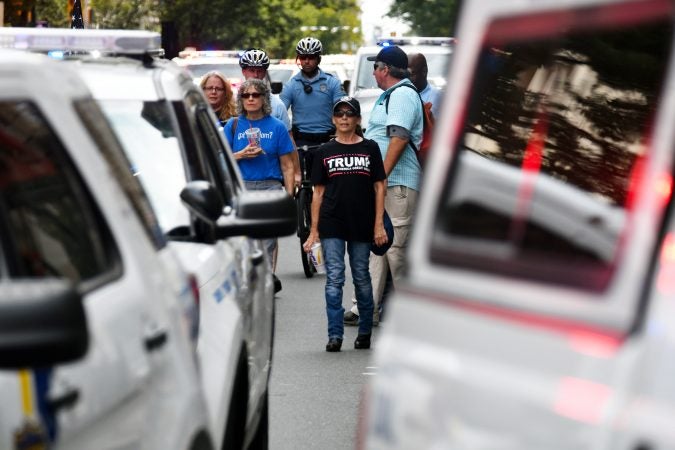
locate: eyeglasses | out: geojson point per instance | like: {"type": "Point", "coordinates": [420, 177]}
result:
{"type": "Point", "coordinates": [213, 88]}
{"type": "Point", "coordinates": [301, 57]}
{"type": "Point", "coordinates": [344, 113]}
{"type": "Point", "coordinates": [379, 65]}
{"type": "Point", "coordinates": [251, 94]}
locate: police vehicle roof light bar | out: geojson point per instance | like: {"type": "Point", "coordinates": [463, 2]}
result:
{"type": "Point", "coordinates": [416, 40]}
{"type": "Point", "coordinates": [128, 42]}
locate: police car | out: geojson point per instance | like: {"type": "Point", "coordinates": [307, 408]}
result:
{"type": "Point", "coordinates": [170, 136]}
{"type": "Point", "coordinates": [95, 334]}
{"type": "Point", "coordinates": [200, 62]}
{"type": "Point", "coordinates": [169, 133]}
{"type": "Point", "coordinates": [538, 308]}
{"type": "Point", "coordinates": [438, 52]}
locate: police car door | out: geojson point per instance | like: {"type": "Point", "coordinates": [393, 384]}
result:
{"type": "Point", "coordinates": [54, 227]}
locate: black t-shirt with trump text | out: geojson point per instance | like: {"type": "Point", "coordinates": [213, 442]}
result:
{"type": "Point", "coordinates": [348, 172]}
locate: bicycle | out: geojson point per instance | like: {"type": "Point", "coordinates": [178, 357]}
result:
{"type": "Point", "coordinates": [303, 198]}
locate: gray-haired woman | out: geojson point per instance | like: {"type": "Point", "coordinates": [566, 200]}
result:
{"type": "Point", "coordinates": [261, 145]}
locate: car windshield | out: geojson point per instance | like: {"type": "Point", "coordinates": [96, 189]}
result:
{"type": "Point", "coordinates": [229, 70]}
{"type": "Point", "coordinates": [148, 139]}
{"type": "Point", "coordinates": [280, 74]}
{"type": "Point", "coordinates": [438, 64]}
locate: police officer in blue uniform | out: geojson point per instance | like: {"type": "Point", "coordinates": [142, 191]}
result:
{"type": "Point", "coordinates": [311, 94]}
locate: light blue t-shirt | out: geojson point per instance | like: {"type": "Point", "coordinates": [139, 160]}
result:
{"type": "Point", "coordinates": [405, 110]}
{"type": "Point", "coordinates": [280, 111]}
{"type": "Point", "coordinates": [275, 142]}
{"type": "Point", "coordinates": [313, 112]}
{"type": "Point", "coordinates": [433, 95]}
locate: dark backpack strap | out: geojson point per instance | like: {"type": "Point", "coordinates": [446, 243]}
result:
{"type": "Point", "coordinates": [386, 107]}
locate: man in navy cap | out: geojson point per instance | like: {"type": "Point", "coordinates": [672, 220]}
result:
{"type": "Point", "coordinates": [395, 121]}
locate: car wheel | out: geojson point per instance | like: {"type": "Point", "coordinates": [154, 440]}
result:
{"type": "Point", "coordinates": [236, 417]}
{"type": "Point", "coordinates": [261, 438]}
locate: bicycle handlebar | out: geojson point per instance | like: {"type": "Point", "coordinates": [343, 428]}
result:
{"type": "Point", "coordinates": [306, 147]}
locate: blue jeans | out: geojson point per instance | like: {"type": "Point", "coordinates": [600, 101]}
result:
{"type": "Point", "coordinates": [334, 257]}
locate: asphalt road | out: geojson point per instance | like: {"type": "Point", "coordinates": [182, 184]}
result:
{"type": "Point", "coordinates": [314, 395]}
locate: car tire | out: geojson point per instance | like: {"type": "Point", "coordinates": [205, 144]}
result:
{"type": "Point", "coordinates": [261, 438]}
{"type": "Point", "coordinates": [235, 429]}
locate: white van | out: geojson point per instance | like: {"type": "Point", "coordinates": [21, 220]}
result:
{"type": "Point", "coordinates": [362, 86]}
{"type": "Point", "coordinates": [537, 310]}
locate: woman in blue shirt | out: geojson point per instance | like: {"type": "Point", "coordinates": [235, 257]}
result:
{"type": "Point", "coordinates": [261, 146]}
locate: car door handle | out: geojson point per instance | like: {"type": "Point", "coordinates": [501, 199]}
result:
{"type": "Point", "coordinates": [64, 400]}
{"type": "Point", "coordinates": [155, 339]}
{"type": "Point", "coordinates": [257, 257]}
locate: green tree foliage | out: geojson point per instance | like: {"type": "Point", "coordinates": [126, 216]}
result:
{"type": "Point", "coordinates": [426, 17]}
{"type": "Point", "coordinates": [125, 14]}
{"type": "Point", "coordinates": [55, 13]}
{"type": "Point", "coordinates": [275, 25]}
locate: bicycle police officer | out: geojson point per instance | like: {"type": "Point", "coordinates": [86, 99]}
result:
{"type": "Point", "coordinates": [254, 63]}
{"type": "Point", "coordinates": [311, 94]}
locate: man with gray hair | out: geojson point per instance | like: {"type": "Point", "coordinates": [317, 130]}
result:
{"type": "Point", "coordinates": [395, 121]}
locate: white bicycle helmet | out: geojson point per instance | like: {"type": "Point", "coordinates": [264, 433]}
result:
{"type": "Point", "coordinates": [309, 46]}
{"type": "Point", "coordinates": [254, 57]}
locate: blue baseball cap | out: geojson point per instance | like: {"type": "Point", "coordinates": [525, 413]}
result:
{"type": "Point", "coordinates": [380, 250]}
{"type": "Point", "coordinates": [392, 56]}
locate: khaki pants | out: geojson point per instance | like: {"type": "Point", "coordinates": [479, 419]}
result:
{"type": "Point", "coordinates": [400, 203]}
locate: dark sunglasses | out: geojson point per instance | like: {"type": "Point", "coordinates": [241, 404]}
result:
{"type": "Point", "coordinates": [301, 57]}
{"type": "Point", "coordinates": [344, 113]}
{"type": "Point", "coordinates": [379, 65]}
{"type": "Point", "coordinates": [251, 94]}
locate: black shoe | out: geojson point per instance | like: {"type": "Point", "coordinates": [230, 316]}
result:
{"type": "Point", "coordinates": [362, 342]}
{"type": "Point", "coordinates": [350, 319]}
{"type": "Point", "coordinates": [334, 345]}
{"type": "Point", "coordinates": [277, 284]}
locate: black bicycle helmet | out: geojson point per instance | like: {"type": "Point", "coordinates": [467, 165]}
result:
{"type": "Point", "coordinates": [309, 46]}
{"type": "Point", "coordinates": [254, 57]}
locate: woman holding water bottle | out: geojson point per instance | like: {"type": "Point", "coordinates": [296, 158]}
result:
{"type": "Point", "coordinates": [261, 146]}
{"type": "Point", "coordinates": [348, 212]}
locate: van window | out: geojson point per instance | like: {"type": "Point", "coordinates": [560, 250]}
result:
{"type": "Point", "coordinates": [51, 226]}
{"type": "Point", "coordinates": [555, 131]}
{"type": "Point", "coordinates": [146, 132]}
{"type": "Point", "coordinates": [124, 171]}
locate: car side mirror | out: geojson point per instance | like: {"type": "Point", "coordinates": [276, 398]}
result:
{"type": "Point", "coordinates": [42, 323]}
{"type": "Point", "coordinates": [260, 215]}
{"type": "Point", "coordinates": [277, 87]}
{"type": "Point", "coordinates": [203, 200]}
{"type": "Point", "coordinates": [345, 86]}
{"type": "Point", "coordinates": [257, 214]}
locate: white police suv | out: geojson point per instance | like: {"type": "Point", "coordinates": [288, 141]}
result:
{"type": "Point", "coordinates": [538, 310]}
{"type": "Point", "coordinates": [170, 136]}
{"type": "Point", "coordinates": [95, 312]}
{"type": "Point", "coordinates": [201, 62]}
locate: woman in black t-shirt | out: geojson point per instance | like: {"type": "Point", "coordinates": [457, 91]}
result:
{"type": "Point", "coordinates": [347, 211]}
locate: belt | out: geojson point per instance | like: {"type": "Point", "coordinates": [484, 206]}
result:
{"type": "Point", "coordinates": [312, 137]}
